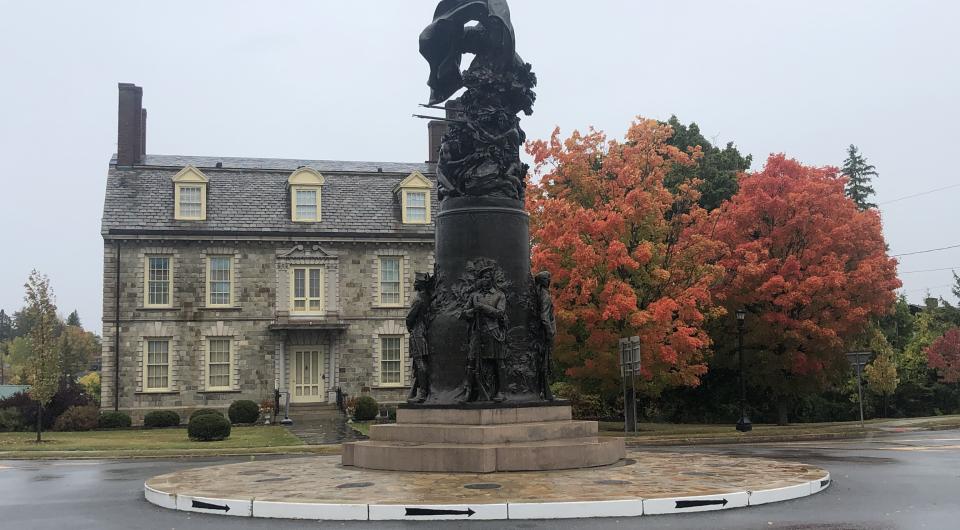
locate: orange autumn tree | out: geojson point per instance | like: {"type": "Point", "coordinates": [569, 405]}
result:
{"type": "Point", "coordinates": [623, 256]}
{"type": "Point", "coordinates": [944, 356]}
{"type": "Point", "coordinates": [809, 267]}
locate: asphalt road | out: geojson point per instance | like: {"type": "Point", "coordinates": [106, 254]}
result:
{"type": "Point", "coordinates": [904, 481]}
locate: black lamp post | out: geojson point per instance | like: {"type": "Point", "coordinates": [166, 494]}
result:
{"type": "Point", "coordinates": [743, 424]}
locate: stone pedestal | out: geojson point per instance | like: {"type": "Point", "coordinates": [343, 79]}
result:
{"type": "Point", "coordinates": [484, 440]}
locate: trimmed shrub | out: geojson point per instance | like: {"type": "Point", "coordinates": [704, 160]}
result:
{"type": "Point", "coordinates": [10, 420]}
{"type": "Point", "coordinates": [202, 412]}
{"type": "Point", "coordinates": [82, 418]}
{"type": "Point", "coordinates": [244, 411]}
{"type": "Point", "coordinates": [366, 409]}
{"type": "Point", "coordinates": [114, 420]}
{"type": "Point", "coordinates": [208, 428]}
{"type": "Point", "coordinates": [161, 418]}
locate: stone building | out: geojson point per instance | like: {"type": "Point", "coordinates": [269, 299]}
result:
{"type": "Point", "coordinates": [225, 278]}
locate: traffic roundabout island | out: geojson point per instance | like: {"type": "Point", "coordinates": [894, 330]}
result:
{"type": "Point", "coordinates": [643, 484]}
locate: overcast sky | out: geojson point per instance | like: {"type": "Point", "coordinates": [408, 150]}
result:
{"type": "Point", "coordinates": [340, 79]}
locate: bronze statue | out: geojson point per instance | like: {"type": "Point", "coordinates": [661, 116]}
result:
{"type": "Point", "coordinates": [417, 322]}
{"type": "Point", "coordinates": [486, 311]}
{"type": "Point", "coordinates": [547, 332]}
{"type": "Point", "coordinates": [481, 151]}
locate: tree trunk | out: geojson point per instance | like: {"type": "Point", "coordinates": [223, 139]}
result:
{"type": "Point", "coordinates": [39, 420]}
{"type": "Point", "coordinates": [782, 412]}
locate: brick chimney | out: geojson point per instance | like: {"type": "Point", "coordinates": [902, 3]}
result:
{"type": "Point", "coordinates": [131, 126]}
{"type": "Point", "coordinates": [436, 129]}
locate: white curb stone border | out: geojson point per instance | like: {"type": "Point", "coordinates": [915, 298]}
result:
{"type": "Point", "coordinates": [532, 510]}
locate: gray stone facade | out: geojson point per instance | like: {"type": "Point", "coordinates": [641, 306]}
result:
{"type": "Point", "coordinates": [260, 326]}
{"type": "Point", "coordinates": [209, 356]}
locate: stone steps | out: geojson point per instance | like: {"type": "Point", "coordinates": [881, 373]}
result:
{"type": "Point", "coordinates": [542, 455]}
{"type": "Point", "coordinates": [483, 434]}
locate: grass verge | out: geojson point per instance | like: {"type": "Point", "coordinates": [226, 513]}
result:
{"type": "Point", "coordinates": [153, 443]}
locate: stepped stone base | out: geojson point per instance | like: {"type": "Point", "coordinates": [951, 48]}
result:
{"type": "Point", "coordinates": [484, 440]}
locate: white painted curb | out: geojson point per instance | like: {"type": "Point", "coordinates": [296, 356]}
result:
{"type": "Point", "coordinates": [518, 511]}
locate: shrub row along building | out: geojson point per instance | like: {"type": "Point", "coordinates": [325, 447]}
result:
{"type": "Point", "coordinates": [225, 278]}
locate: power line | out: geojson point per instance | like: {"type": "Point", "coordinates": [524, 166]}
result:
{"type": "Point", "coordinates": [931, 270]}
{"type": "Point", "coordinates": [926, 288]}
{"type": "Point", "coordinates": [921, 194]}
{"type": "Point", "coordinates": [925, 251]}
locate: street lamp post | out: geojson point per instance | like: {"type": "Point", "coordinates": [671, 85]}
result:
{"type": "Point", "coordinates": [743, 424]}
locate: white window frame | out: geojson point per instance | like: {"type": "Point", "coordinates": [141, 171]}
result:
{"type": "Point", "coordinates": [147, 364]}
{"type": "Point", "coordinates": [147, 281]}
{"type": "Point", "coordinates": [307, 298]}
{"type": "Point", "coordinates": [210, 281]}
{"type": "Point", "coordinates": [380, 281]}
{"type": "Point", "coordinates": [400, 360]}
{"type": "Point", "coordinates": [230, 362]}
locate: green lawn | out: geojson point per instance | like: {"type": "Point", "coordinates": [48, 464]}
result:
{"type": "Point", "coordinates": [147, 441]}
{"type": "Point", "coordinates": [653, 431]}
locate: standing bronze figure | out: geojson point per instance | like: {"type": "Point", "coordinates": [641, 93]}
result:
{"type": "Point", "coordinates": [547, 332]}
{"type": "Point", "coordinates": [486, 312]}
{"type": "Point", "coordinates": [417, 322]}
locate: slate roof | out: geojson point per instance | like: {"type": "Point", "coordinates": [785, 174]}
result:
{"type": "Point", "coordinates": [250, 196]}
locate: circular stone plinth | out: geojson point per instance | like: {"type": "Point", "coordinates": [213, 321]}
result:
{"type": "Point", "coordinates": [319, 488]}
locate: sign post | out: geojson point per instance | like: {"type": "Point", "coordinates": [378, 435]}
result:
{"type": "Point", "coordinates": [858, 360]}
{"type": "Point", "coordinates": [629, 368]}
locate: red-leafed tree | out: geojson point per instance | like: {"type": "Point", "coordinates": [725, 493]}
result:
{"type": "Point", "coordinates": [811, 269]}
{"type": "Point", "coordinates": [623, 256]}
{"type": "Point", "coordinates": [944, 356]}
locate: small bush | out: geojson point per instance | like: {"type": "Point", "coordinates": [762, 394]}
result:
{"type": "Point", "coordinates": [10, 420]}
{"type": "Point", "coordinates": [392, 413]}
{"type": "Point", "coordinates": [114, 420]}
{"type": "Point", "coordinates": [244, 411]}
{"type": "Point", "coordinates": [366, 409]}
{"type": "Point", "coordinates": [208, 428]}
{"type": "Point", "coordinates": [161, 418]}
{"type": "Point", "coordinates": [202, 412]}
{"type": "Point", "coordinates": [82, 418]}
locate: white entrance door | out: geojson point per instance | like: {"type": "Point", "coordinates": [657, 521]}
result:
{"type": "Point", "coordinates": [306, 374]}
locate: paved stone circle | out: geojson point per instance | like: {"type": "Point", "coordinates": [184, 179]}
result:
{"type": "Point", "coordinates": [646, 483]}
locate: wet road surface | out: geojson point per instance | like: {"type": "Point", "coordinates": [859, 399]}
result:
{"type": "Point", "coordinates": [905, 481]}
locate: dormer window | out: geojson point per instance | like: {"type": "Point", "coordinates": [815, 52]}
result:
{"type": "Point", "coordinates": [414, 194]}
{"type": "Point", "coordinates": [190, 195]}
{"type": "Point", "coordinates": [305, 195]}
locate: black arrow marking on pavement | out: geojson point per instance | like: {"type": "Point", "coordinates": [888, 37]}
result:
{"type": "Point", "coordinates": [427, 511]}
{"type": "Point", "coordinates": [208, 506]}
{"type": "Point", "coordinates": [694, 504]}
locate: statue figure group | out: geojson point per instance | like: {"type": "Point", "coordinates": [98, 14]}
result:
{"type": "Point", "coordinates": [485, 311]}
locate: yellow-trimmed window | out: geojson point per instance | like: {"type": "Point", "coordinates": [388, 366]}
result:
{"type": "Point", "coordinates": [305, 195]}
{"type": "Point", "coordinates": [391, 281]}
{"type": "Point", "coordinates": [306, 203]}
{"type": "Point", "coordinates": [416, 207]}
{"type": "Point", "coordinates": [219, 363]}
{"type": "Point", "coordinates": [220, 281]}
{"type": "Point", "coordinates": [414, 192]}
{"type": "Point", "coordinates": [157, 365]}
{"type": "Point", "coordinates": [190, 195]}
{"type": "Point", "coordinates": [391, 360]}
{"type": "Point", "coordinates": [306, 290]}
{"type": "Point", "coordinates": [158, 281]}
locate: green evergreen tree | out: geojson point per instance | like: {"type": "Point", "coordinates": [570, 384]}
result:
{"type": "Point", "coordinates": [859, 174]}
{"type": "Point", "coordinates": [718, 169]}
{"type": "Point", "coordinates": [6, 326]}
{"type": "Point", "coordinates": [74, 319]}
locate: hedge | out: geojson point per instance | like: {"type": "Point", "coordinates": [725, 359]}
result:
{"type": "Point", "coordinates": [208, 428]}
{"type": "Point", "coordinates": [244, 411]}
{"type": "Point", "coordinates": [366, 409]}
{"type": "Point", "coordinates": [161, 418]}
{"type": "Point", "coordinates": [114, 420]}
{"type": "Point", "coordinates": [201, 412]}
